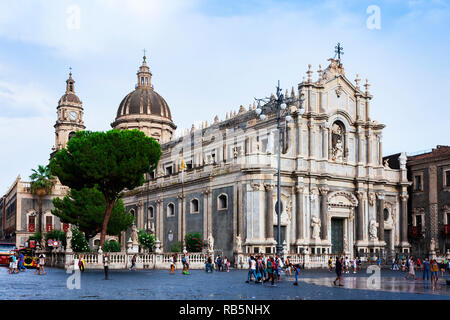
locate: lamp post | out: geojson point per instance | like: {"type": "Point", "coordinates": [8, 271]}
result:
{"type": "Point", "coordinates": [279, 104]}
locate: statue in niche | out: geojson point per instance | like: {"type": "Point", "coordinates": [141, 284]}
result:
{"type": "Point", "coordinates": [315, 224]}
{"type": "Point", "coordinates": [373, 230]}
{"type": "Point", "coordinates": [210, 242]}
{"type": "Point", "coordinates": [238, 243]}
{"type": "Point", "coordinates": [337, 145]}
{"type": "Point", "coordinates": [432, 245]}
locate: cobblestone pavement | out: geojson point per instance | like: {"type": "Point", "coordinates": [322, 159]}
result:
{"type": "Point", "coordinates": [159, 284]}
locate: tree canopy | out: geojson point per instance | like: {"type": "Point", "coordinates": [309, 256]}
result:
{"type": "Point", "coordinates": [111, 161]}
{"type": "Point", "coordinates": [85, 208]}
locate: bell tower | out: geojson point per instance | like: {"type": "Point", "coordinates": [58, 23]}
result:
{"type": "Point", "coordinates": [69, 116]}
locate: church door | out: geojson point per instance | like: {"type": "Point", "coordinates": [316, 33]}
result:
{"type": "Point", "coordinates": [337, 235]}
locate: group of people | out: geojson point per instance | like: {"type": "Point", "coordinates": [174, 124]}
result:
{"type": "Point", "coordinates": [264, 269]}
{"type": "Point", "coordinates": [16, 263]}
{"type": "Point", "coordinates": [184, 260]}
{"type": "Point", "coordinates": [347, 264]}
{"type": "Point", "coordinates": [431, 269]}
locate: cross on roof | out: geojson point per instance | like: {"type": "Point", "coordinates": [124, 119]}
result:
{"type": "Point", "coordinates": [338, 50]}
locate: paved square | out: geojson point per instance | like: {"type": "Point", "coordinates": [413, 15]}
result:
{"type": "Point", "coordinates": [199, 285]}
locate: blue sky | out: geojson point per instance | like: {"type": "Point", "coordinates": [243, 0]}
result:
{"type": "Point", "coordinates": [209, 57]}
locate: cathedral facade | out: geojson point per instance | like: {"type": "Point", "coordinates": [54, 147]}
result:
{"type": "Point", "coordinates": [220, 179]}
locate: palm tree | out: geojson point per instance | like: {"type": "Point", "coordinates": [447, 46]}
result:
{"type": "Point", "coordinates": [42, 183]}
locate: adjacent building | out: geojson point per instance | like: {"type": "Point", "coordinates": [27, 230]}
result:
{"type": "Point", "coordinates": [429, 216]}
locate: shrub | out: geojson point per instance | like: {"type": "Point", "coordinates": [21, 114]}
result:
{"type": "Point", "coordinates": [194, 242]}
{"type": "Point", "coordinates": [79, 242]}
{"type": "Point", "coordinates": [111, 246]}
{"type": "Point", "coordinates": [176, 247]}
{"type": "Point", "coordinates": [146, 240]}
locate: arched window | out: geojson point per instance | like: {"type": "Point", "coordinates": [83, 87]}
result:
{"type": "Point", "coordinates": [222, 202]}
{"type": "Point", "coordinates": [142, 80]}
{"type": "Point", "coordinates": [170, 210]}
{"type": "Point", "coordinates": [151, 213]}
{"type": "Point", "coordinates": [71, 135]}
{"type": "Point", "coordinates": [386, 214]}
{"type": "Point", "coordinates": [194, 206]}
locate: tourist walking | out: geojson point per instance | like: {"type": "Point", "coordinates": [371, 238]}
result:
{"type": "Point", "coordinates": [252, 270]}
{"type": "Point", "coordinates": [133, 262]}
{"type": "Point", "coordinates": [208, 264]}
{"type": "Point", "coordinates": [426, 270]}
{"type": "Point", "coordinates": [411, 271]}
{"type": "Point", "coordinates": [359, 264]}
{"type": "Point", "coordinates": [434, 272]}
{"type": "Point", "coordinates": [355, 263]}
{"type": "Point", "coordinates": [172, 264]}
{"type": "Point", "coordinates": [81, 263]}
{"type": "Point", "coordinates": [185, 262]}
{"type": "Point", "coordinates": [106, 264]}
{"type": "Point", "coordinates": [41, 264]}
{"type": "Point", "coordinates": [278, 267]}
{"type": "Point", "coordinates": [339, 266]}
{"type": "Point", "coordinates": [21, 259]}
{"type": "Point", "coordinates": [443, 266]}
{"type": "Point", "coordinates": [270, 270]}
{"type": "Point", "coordinates": [330, 264]}
{"type": "Point", "coordinates": [347, 263]}
{"type": "Point", "coordinates": [287, 266]}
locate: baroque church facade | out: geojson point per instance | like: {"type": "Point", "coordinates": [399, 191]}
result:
{"type": "Point", "coordinates": [219, 179]}
{"type": "Point", "coordinates": [337, 195]}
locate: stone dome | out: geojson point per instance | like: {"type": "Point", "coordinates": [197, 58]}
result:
{"type": "Point", "coordinates": [144, 109]}
{"type": "Point", "coordinates": [69, 97]}
{"type": "Point", "coordinates": [144, 100]}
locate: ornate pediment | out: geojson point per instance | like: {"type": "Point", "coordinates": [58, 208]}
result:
{"type": "Point", "coordinates": [342, 199]}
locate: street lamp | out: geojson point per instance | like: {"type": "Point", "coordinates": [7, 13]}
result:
{"type": "Point", "coordinates": [279, 104]}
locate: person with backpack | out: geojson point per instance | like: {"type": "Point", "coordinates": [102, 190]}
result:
{"type": "Point", "coordinates": [81, 263]}
{"type": "Point", "coordinates": [270, 270]}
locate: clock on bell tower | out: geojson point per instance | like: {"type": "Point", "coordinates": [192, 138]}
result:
{"type": "Point", "coordinates": [69, 115]}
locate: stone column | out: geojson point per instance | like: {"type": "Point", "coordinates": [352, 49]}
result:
{"type": "Point", "coordinates": [299, 212]}
{"type": "Point", "coordinates": [404, 218]}
{"type": "Point", "coordinates": [380, 151]}
{"type": "Point", "coordinates": [369, 146]}
{"type": "Point", "coordinates": [360, 144]}
{"type": "Point", "coordinates": [181, 215]}
{"type": "Point", "coordinates": [269, 211]}
{"type": "Point", "coordinates": [311, 143]}
{"type": "Point", "coordinates": [324, 212]}
{"type": "Point", "coordinates": [325, 142]}
{"type": "Point", "coordinates": [360, 217]}
{"type": "Point", "coordinates": [160, 219]}
{"type": "Point", "coordinates": [380, 208]}
{"type": "Point", "coordinates": [205, 213]}
{"type": "Point", "coordinates": [140, 214]}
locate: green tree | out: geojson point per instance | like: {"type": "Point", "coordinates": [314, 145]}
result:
{"type": "Point", "coordinates": [146, 240]}
{"type": "Point", "coordinates": [85, 208]}
{"type": "Point", "coordinates": [79, 242]}
{"type": "Point", "coordinates": [194, 242]}
{"type": "Point", "coordinates": [42, 183]}
{"type": "Point", "coordinates": [111, 246]}
{"type": "Point", "coordinates": [113, 161]}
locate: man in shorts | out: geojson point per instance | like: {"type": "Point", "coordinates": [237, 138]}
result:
{"type": "Point", "coordinates": [339, 266]}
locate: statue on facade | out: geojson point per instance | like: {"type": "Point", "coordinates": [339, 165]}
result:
{"type": "Point", "coordinates": [69, 240]}
{"type": "Point", "coordinates": [210, 242]}
{"type": "Point", "coordinates": [373, 230]}
{"type": "Point", "coordinates": [134, 235]}
{"type": "Point", "coordinates": [315, 224]}
{"type": "Point", "coordinates": [337, 137]}
{"type": "Point", "coordinates": [386, 163]}
{"type": "Point", "coordinates": [432, 245]}
{"type": "Point", "coordinates": [238, 243]}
